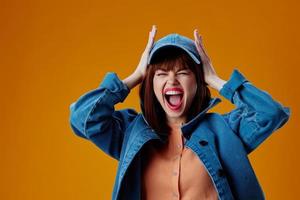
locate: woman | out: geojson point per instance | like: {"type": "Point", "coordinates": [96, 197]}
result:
{"type": "Point", "coordinates": [175, 149]}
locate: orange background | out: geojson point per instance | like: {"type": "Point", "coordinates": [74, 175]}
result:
{"type": "Point", "coordinates": [52, 52]}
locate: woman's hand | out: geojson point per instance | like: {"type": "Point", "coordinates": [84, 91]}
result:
{"type": "Point", "coordinates": [137, 76]}
{"type": "Point", "coordinates": [142, 66]}
{"type": "Point", "coordinates": [210, 75]}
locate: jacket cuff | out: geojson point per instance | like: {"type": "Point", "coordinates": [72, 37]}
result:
{"type": "Point", "coordinates": [235, 81]}
{"type": "Point", "coordinates": [112, 82]}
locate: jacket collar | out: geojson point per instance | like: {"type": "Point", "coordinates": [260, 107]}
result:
{"type": "Point", "coordinates": [189, 126]}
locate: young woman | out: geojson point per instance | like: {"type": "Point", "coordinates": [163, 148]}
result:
{"type": "Point", "coordinates": [174, 148]}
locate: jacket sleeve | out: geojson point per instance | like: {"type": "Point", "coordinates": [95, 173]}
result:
{"type": "Point", "coordinates": [256, 115]}
{"type": "Point", "coordinates": [93, 116]}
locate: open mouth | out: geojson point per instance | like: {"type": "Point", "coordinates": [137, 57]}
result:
{"type": "Point", "coordinates": [174, 99]}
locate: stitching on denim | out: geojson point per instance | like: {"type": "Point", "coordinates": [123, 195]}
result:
{"type": "Point", "coordinates": [92, 110]}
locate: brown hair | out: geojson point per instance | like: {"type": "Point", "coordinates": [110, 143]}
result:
{"type": "Point", "coordinates": [167, 59]}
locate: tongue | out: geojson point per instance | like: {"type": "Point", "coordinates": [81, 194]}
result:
{"type": "Point", "coordinates": [174, 99]}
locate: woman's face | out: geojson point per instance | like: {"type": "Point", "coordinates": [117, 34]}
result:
{"type": "Point", "coordinates": [175, 91]}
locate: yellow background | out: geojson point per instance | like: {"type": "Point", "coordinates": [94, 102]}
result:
{"type": "Point", "coordinates": [52, 52]}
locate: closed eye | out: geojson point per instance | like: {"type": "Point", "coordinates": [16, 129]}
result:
{"type": "Point", "coordinates": [160, 74]}
{"type": "Point", "coordinates": [183, 73]}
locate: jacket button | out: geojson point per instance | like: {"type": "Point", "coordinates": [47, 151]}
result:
{"type": "Point", "coordinates": [221, 173]}
{"type": "Point", "coordinates": [203, 142]}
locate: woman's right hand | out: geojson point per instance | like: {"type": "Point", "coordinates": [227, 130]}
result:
{"type": "Point", "coordinates": [142, 66]}
{"type": "Point", "coordinates": [140, 72]}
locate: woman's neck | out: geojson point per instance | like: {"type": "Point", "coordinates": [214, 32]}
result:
{"type": "Point", "coordinates": [176, 123]}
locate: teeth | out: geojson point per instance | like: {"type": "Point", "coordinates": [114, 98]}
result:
{"type": "Point", "coordinates": [173, 92]}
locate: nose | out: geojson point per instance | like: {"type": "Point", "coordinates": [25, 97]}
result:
{"type": "Point", "coordinates": [172, 79]}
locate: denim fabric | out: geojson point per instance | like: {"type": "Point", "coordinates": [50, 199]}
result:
{"type": "Point", "coordinates": [222, 141]}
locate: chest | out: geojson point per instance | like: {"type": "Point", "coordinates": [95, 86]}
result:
{"type": "Point", "coordinates": [172, 170]}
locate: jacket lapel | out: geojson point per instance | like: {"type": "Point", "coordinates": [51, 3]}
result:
{"type": "Point", "coordinates": [193, 123]}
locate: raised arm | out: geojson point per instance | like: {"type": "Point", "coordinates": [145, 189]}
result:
{"type": "Point", "coordinates": [256, 115]}
{"type": "Point", "coordinates": [93, 115]}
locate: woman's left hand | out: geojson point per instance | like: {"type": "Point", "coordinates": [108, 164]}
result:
{"type": "Point", "coordinates": [209, 71]}
{"type": "Point", "coordinates": [210, 75]}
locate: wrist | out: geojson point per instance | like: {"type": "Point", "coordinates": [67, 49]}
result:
{"type": "Point", "coordinates": [138, 75]}
{"type": "Point", "coordinates": [216, 83]}
{"type": "Point", "coordinates": [132, 80]}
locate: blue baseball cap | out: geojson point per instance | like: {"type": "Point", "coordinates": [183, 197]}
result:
{"type": "Point", "coordinates": [175, 40]}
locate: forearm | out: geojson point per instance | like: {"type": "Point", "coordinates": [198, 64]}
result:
{"type": "Point", "coordinates": [132, 80]}
{"type": "Point", "coordinates": [257, 113]}
{"type": "Point", "coordinates": [96, 106]}
{"type": "Point", "coordinates": [216, 83]}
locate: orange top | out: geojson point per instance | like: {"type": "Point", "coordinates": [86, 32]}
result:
{"type": "Point", "coordinates": [173, 171]}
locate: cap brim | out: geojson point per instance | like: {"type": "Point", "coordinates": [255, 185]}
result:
{"type": "Point", "coordinates": [156, 49]}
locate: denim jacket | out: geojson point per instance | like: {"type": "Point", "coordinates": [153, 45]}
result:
{"type": "Point", "coordinates": [221, 141]}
